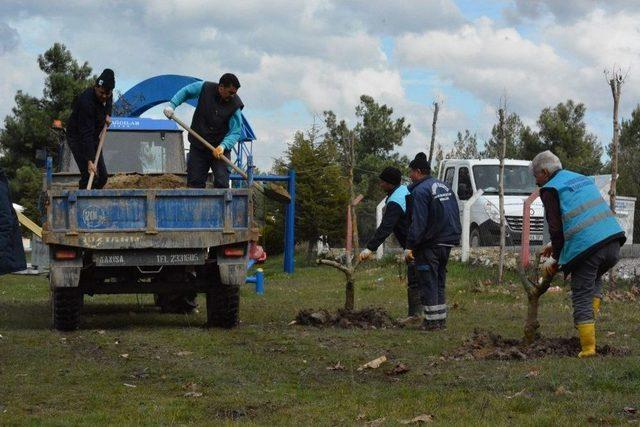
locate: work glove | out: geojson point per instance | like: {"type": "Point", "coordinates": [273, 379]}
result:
{"type": "Point", "coordinates": [408, 255]}
{"type": "Point", "coordinates": [218, 151]}
{"type": "Point", "coordinates": [365, 255]}
{"type": "Point", "coordinates": [168, 111]}
{"type": "Point", "coordinates": [547, 251]}
{"type": "Point", "coordinates": [549, 267]}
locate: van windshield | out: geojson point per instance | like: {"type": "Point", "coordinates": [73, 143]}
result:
{"type": "Point", "coordinates": [518, 180]}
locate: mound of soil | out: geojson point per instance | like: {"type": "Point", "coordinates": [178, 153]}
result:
{"type": "Point", "coordinates": [136, 180]}
{"type": "Point", "coordinates": [489, 346]}
{"type": "Point", "coordinates": [368, 318]}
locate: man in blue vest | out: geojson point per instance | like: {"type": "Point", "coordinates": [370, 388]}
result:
{"type": "Point", "coordinates": [585, 239]}
{"type": "Point", "coordinates": [434, 229]}
{"type": "Point", "coordinates": [218, 119]}
{"type": "Point", "coordinates": [394, 220]}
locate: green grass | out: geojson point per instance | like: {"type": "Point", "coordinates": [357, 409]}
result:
{"type": "Point", "coordinates": [267, 372]}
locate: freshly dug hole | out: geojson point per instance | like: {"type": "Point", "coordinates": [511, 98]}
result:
{"type": "Point", "coordinates": [367, 318]}
{"type": "Point", "coordinates": [488, 346]}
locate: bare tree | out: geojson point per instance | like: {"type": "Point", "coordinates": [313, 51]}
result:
{"type": "Point", "coordinates": [615, 79]}
{"type": "Point", "coordinates": [436, 108]}
{"type": "Point", "coordinates": [503, 152]}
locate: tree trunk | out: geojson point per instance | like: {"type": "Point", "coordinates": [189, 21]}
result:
{"type": "Point", "coordinates": [534, 291]}
{"type": "Point", "coordinates": [503, 231]}
{"type": "Point", "coordinates": [349, 302]}
{"type": "Point", "coordinates": [436, 108]}
{"type": "Point", "coordinates": [615, 83]}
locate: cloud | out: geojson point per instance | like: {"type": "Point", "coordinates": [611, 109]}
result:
{"type": "Point", "coordinates": [8, 38]}
{"type": "Point", "coordinates": [565, 11]}
{"type": "Point", "coordinates": [490, 62]}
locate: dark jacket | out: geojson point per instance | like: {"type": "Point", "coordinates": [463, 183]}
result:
{"type": "Point", "coordinates": [211, 117]}
{"type": "Point", "coordinates": [11, 251]}
{"type": "Point", "coordinates": [394, 220]}
{"type": "Point", "coordinates": [86, 122]}
{"type": "Point", "coordinates": [434, 215]}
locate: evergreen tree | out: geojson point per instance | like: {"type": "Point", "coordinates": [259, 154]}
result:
{"type": "Point", "coordinates": [28, 128]}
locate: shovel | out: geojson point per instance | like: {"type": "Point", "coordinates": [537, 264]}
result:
{"type": "Point", "coordinates": [272, 191]}
{"type": "Point", "coordinates": [95, 162]}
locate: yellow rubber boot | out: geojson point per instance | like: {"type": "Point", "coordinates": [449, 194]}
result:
{"type": "Point", "coordinates": [587, 333]}
{"type": "Point", "coordinates": [596, 306]}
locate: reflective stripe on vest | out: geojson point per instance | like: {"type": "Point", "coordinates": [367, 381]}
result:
{"type": "Point", "coordinates": [399, 196]}
{"type": "Point", "coordinates": [586, 217]}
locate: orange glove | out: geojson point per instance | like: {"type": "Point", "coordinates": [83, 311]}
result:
{"type": "Point", "coordinates": [218, 151]}
{"type": "Point", "coordinates": [408, 255]}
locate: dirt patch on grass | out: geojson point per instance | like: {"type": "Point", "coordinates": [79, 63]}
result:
{"type": "Point", "coordinates": [136, 180]}
{"type": "Point", "coordinates": [488, 346]}
{"type": "Point", "coordinates": [367, 318]}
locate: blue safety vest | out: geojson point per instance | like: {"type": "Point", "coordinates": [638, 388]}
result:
{"type": "Point", "coordinates": [586, 219]}
{"type": "Point", "coordinates": [399, 196]}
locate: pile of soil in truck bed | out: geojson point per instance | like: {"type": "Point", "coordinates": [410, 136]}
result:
{"type": "Point", "coordinates": [136, 180]}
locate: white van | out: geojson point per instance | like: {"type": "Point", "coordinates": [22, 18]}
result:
{"type": "Point", "coordinates": [466, 176]}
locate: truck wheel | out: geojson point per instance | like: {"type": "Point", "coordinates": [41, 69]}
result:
{"type": "Point", "coordinates": [223, 306]}
{"type": "Point", "coordinates": [66, 305]}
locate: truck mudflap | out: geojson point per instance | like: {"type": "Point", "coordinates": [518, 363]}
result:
{"type": "Point", "coordinates": [233, 269]}
{"type": "Point", "coordinates": [65, 273]}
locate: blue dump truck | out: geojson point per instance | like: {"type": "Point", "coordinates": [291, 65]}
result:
{"type": "Point", "coordinates": [134, 241]}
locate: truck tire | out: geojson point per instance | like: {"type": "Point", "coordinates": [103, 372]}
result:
{"type": "Point", "coordinates": [66, 305]}
{"type": "Point", "coordinates": [223, 306]}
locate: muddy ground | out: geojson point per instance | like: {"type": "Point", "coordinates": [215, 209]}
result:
{"type": "Point", "coordinates": [488, 346]}
{"type": "Point", "coordinates": [367, 318]}
{"type": "Point", "coordinates": [135, 180]}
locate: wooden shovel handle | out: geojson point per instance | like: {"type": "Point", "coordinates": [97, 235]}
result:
{"type": "Point", "coordinates": [98, 151]}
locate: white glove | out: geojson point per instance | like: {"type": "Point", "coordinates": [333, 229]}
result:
{"type": "Point", "coordinates": [549, 267]}
{"type": "Point", "coordinates": [168, 111]}
{"type": "Point", "coordinates": [364, 255]}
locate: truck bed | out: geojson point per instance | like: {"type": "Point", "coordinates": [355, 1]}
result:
{"type": "Point", "coordinates": [140, 219]}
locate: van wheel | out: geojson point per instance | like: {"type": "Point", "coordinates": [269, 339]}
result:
{"type": "Point", "coordinates": [474, 237]}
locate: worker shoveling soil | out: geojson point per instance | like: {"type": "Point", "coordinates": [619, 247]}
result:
{"type": "Point", "coordinates": [368, 318]}
{"type": "Point", "coordinates": [488, 346]}
{"type": "Point", "coordinates": [136, 180]}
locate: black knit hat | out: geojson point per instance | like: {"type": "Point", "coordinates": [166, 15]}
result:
{"type": "Point", "coordinates": [391, 175]}
{"type": "Point", "coordinates": [107, 79]}
{"type": "Point", "coordinates": [420, 162]}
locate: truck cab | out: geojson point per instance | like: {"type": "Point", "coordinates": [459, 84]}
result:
{"type": "Point", "coordinates": [467, 176]}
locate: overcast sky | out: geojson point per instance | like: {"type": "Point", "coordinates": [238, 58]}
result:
{"type": "Point", "coordinates": [297, 58]}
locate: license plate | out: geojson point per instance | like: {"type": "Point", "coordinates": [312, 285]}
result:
{"type": "Point", "coordinates": [535, 237]}
{"type": "Point", "coordinates": [151, 258]}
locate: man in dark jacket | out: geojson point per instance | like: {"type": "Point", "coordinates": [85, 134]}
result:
{"type": "Point", "coordinates": [394, 220]}
{"type": "Point", "coordinates": [218, 119]}
{"type": "Point", "coordinates": [11, 250]}
{"type": "Point", "coordinates": [434, 229]}
{"type": "Point", "coordinates": [91, 111]}
{"type": "Point", "coordinates": [585, 239]}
